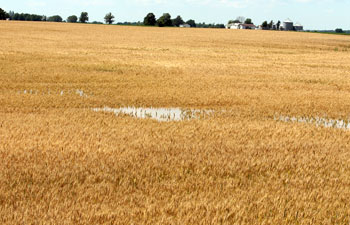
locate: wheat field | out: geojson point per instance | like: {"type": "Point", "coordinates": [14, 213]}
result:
{"type": "Point", "coordinates": [63, 163]}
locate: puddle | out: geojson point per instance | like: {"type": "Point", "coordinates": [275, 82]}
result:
{"type": "Point", "coordinates": [317, 121]}
{"type": "Point", "coordinates": [159, 114]}
{"type": "Point", "coordinates": [79, 92]}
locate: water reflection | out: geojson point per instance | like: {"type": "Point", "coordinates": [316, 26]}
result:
{"type": "Point", "coordinates": [159, 114]}
{"type": "Point", "coordinates": [79, 92]}
{"type": "Point", "coordinates": [317, 121]}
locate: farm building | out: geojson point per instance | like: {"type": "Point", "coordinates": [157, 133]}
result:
{"type": "Point", "coordinates": [288, 25]}
{"type": "Point", "coordinates": [232, 26]}
{"type": "Point", "coordinates": [185, 25]}
{"type": "Point", "coordinates": [240, 26]}
{"type": "Point", "coordinates": [248, 26]}
{"type": "Point", "coordinates": [298, 27]}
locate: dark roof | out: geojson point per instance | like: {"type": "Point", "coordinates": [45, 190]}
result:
{"type": "Point", "coordinates": [249, 25]}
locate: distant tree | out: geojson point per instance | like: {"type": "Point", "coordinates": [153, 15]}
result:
{"type": "Point", "coordinates": [265, 25]}
{"type": "Point", "coordinates": [11, 14]}
{"type": "Point", "coordinates": [55, 18]}
{"type": "Point", "coordinates": [248, 21]}
{"type": "Point", "coordinates": [150, 20]}
{"type": "Point", "coordinates": [241, 19]}
{"type": "Point", "coordinates": [278, 25]}
{"type": "Point", "coordinates": [192, 23]}
{"type": "Point", "coordinates": [15, 16]}
{"type": "Point", "coordinates": [138, 23]}
{"type": "Point", "coordinates": [270, 25]}
{"type": "Point", "coordinates": [44, 18]}
{"type": "Point", "coordinates": [165, 20]}
{"type": "Point", "coordinates": [220, 26]}
{"type": "Point", "coordinates": [204, 25]}
{"type": "Point", "coordinates": [109, 18]}
{"type": "Point", "coordinates": [72, 19]}
{"type": "Point", "coordinates": [3, 14]}
{"type": "Point", "coordinates": [37, 18]}
{"type": "Point", "coordinates": [199, 25]}
{"type": "Point", "coordinates": [234, 21]}
{"type": "Point", "coordinates": [24, 16]}
{"type": "Point", "coordinates": [96, 22]}
{"type": "Point", "coordinates": [339, 30]}
{"type": "Point", "coordinates": [178, 21]}
{"type": "Point", "coordinates": [84, 17]}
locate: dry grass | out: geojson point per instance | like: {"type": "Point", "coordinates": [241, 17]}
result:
{"type": "Point", "coordinates": [62, 163]}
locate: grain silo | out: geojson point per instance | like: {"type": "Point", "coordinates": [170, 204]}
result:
{"type": "Point", "coordinates": [298, 27]}
{"type": "Point", "coordinates": [288, 24]}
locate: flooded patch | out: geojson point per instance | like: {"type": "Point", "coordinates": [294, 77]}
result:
{"type": "Point", "coordinates": [79, 92]}
{"type": "Point", "coordinates": [317, 121]}
{"type": "Point", "coordinates": [159, 114]}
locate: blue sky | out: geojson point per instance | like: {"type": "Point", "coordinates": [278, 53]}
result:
{"type": "Point", "coordinates": [313, 14]}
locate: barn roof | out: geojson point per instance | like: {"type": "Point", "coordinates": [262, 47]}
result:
{"type": "Point", "coordinates": [288, 21]}
{"type": "Point", "coordinates": [249, 25]}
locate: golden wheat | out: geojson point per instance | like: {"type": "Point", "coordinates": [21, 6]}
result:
{"type": "Point", "coordinates": [63, 163]}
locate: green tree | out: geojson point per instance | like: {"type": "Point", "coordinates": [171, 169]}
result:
{"type": "Point", "coordinates": [265, 25]}
{"type": "Point", "coordinates": [72, 19]}
{"type": "Point", "coordinates": [109, 18]}
{"type": "Point", "coordinates": [270, 25]}
{"type": "Point", "coordinates": [55, 18]}
{"type": "Point", "coordinates": [3, 14]}
{"type": "Point", "coordinates": [165, 20]}
{"type": "Point", "coordinates": [278, 25]}
{"type": "Point", "coordinates": [248, 21]}
{"type": "Point", "coordinates": [84, 17]}
{"type": "Point", "coordinates": [339, 30]}
{"type": "Point", "coordinates": [178, 21]}
{"type": "Point", "coordinates": [150, 20]}
{"type": "Point", "coordinates": [11, 14]}
{"type": "Point", "coordinates": [192, 23]}
{"type": "Point", "coordinates": [234, 21]}
{"type": "Point", "coordinates": [240, 19]}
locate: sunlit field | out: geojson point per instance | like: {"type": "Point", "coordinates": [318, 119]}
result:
{"type": "Point", "coordinates": [136, 125]}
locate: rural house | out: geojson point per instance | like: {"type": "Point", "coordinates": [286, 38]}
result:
{"type": "Point", "coordinates": [242, 26]}
{"type": "Point", "coordinates": [185, 25]}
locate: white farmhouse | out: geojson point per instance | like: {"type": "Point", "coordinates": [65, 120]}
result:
{"type": "Point", "coordinates": [242, 26]}
{"type": "Point", "coordinates": [185, 25]}
{"type": "Point", "coordinates": [233, 26]}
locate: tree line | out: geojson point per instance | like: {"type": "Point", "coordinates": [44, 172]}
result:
{"type": "Point", "coordinates": [83, 18]}
{"type": "Point", "coordinates": [166, 21]}
{"type": "Point", "coordinates": [271, 26]}
{"type": "Point", "coordinates": [265, 25]}
{"type": "Point", "coordinates": [150, 20]}
{"type": "Point", "coordinates": [241, 19]}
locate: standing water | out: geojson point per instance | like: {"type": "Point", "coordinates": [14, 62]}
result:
{"type": "Point", "coordinates": [317, 121]}
{"type": "Point", "coordinates": [159, 114]}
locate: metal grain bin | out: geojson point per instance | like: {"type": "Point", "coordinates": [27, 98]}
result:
{"type": "Point", "coordinates": [288, 24]}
